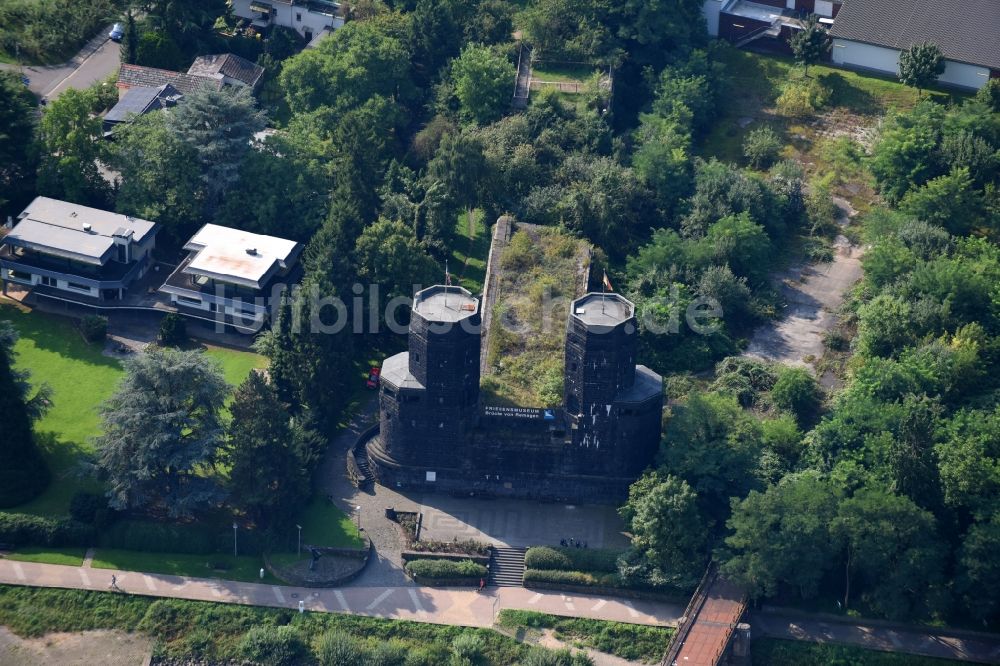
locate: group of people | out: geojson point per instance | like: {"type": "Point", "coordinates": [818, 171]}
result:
{"type": "Point", "coordinates": [572, 543]}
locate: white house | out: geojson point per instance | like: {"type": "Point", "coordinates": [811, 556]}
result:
{"type": "Point", "coordinates": [870, 34]}
{"type": "Point", "coordinates": [310, 18]}
{"type": "Point", "coordinates": [229, 276]}
{"type": "Point", "coordinates": [76, 253]}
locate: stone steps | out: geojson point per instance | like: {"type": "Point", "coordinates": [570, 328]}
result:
{"type": "Point", "coordinates": [507, 567]}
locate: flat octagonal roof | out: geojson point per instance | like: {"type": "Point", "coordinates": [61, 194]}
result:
{"type": "Point", "coordinates": [445, 303]}
{"type": "Point", "coordinates": [596, 309]}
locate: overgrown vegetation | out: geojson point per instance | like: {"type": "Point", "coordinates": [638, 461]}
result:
{"type": "Point", "coordinates": [542, 271]}
{"type": "Point", "coordinates": [219, 633]}
{"type": "Point", "coordinates": [628, 641]}
{"type": "Point", "coordinates": [50, 31]}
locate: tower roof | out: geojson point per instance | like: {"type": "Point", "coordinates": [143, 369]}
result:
{"type": "Point", "coordinates": [445, 303]}
{"type": "Point", "coordinates": [596, 309]}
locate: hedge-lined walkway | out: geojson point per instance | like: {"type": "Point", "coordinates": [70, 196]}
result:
{"type": "Point", "coordinates": [422, 604]}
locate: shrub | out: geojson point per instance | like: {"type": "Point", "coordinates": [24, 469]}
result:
{"type": "Point", "coordinates": [94, 328]}
{"type": "Point", "coordinates": [468, 647]}
{"type": "Point", "coordinates": [273, 646]}
{"type": "Point", "coordinates": [335, 648]}
{"type": "Point", "coordinates": [467, 547]}
{"type": "Point", "coordinates": [202, 539]}
{"type": "Point", "coordinates": [761, 147]}
{"type": "Point", "coordinates": [173, 330]}
{"type": "Point", "coordinates": [21, 529]}
{"type": "Point", "coordinates": [563, 577]}
{"type": "Point", "coordinates": [802, 98]}
{"type": "Point", "coordinates": [85, 506]}
{"type": "Point", "coordinates": [446, 569]}
{"type": "Point", "coordinates": [579, 559]}
{"type": "Point", "coordinates": [797, 391]}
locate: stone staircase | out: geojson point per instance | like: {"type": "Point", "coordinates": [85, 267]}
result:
{"type": "Point", "coordinates": [507, 567]}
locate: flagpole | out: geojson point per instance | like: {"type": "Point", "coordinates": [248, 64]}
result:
{"type": "Point", "coordinates": [604, 290]}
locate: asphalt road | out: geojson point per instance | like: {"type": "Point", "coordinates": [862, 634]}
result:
{"type": "Point", "coordinates": [97, 60]}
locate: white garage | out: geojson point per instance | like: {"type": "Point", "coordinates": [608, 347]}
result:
{"type": "Point", "coordinates": [870, 34]}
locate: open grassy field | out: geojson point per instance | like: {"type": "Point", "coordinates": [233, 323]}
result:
{"type": "Point", "coordinates": [81, 377]}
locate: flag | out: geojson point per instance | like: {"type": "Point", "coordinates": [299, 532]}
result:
{"type": "Point", "coordinates": [607, 282]}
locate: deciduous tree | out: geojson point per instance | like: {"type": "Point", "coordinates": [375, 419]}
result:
{"type": "Point", "coordinates": [484, 83]}
{"type": "Point", "coordinates": [921, 65]}
{"type": "Point", "coordinates": [810, 44]}
{"type": "Point", "coordinates": [17, 131]}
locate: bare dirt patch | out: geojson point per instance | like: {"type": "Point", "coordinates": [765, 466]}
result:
{"type": "Point", "coordinates": [108, 648]}
{"type": "Point", "coordinates": [813, 293]}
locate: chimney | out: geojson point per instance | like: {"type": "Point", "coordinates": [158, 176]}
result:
{"type": "Point", "coordinates": [252, 251]}
{"type": "Point", "coordinates": [87, 227]}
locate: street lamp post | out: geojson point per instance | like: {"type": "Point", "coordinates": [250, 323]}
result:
{"type": "Point", "coordinates": [300, 540]}
{"type": "Point", "coordinates": [234, 540]}
{"type": "Point", "coordinates": [357, 516]}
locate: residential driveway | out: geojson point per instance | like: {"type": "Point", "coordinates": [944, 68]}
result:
{"type": "Point", "coordinates": [97, 60]}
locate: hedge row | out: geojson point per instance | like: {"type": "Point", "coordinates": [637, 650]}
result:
{"type": "Point", "coordinates": [172, 538]}
{"type": "Point", "coordinates": [587, 578]}
{"type": "Point", "coordinates": [445, 569]}
{"type": "Point", "coordinates": [20, 529]}
{"type": "Point", "coordinates": [572, 559]}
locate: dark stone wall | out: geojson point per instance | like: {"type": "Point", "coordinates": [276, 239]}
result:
{"type": "Point", "coordinates": [587, 453]}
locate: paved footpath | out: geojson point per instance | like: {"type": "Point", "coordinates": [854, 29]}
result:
{"type": "Point", "coordinates": [944, 644]}
{"type": "Point", "coordinates": [453, 606]}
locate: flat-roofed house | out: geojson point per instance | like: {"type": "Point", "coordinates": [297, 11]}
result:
{"type": "Point", "coordinates": [310, 18]}
{"type": "Point", "coordinates": [75, 252]}
{"type": "Point", "coordinates": [229, 276]}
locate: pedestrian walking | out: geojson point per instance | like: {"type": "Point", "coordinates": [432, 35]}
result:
{"type": "Point", "coordinates": [482, 584]}
{"type": "Point", "coordinates": [114, 583]}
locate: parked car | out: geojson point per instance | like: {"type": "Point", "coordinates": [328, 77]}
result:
{"type": "Point", "coordinates": [117, 32]}
{"type": "Point", "coordinates": [373, 377]}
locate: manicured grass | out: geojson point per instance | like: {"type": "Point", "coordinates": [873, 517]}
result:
{"type": "Point", "coordinates": [69, 556]}
{"type": "Point", "coordinates": [629, 641]}
{"type": "Point", "coordinates": [216, 565]}
{"type": "Point", "coordinates": [562, 72]}
{"type": "Point", "coordinates": [774, 652]}
{"type": "Point", "coordinates": [81, 377]}
{"type": "Point", "coordinates": [205, 632]}
{"type": "Point", "coordinates": [236, 364]}
{"type": "Point", "coordinates": [471, 250]}
{"type": "Point", "coordinates": [323, 524]}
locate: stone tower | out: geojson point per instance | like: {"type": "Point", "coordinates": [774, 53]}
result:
{"type": "Point", "coordinates": [429, 397]}
{"type": "Point", "coordinates": [613, 407]}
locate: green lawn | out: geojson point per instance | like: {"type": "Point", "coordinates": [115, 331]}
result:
{"type": "Point", "coordinates": [69, 556]}
{"type": "Point", "coordinates": [323, 524]}
{"type": "Point", "coordinates": [215, 565]}
{"type": "Point", "coordinates": [562, 72]}
{"type": "Point", "coordinates": [81, 378]}
{"type": "Point", "coordinates": [471, 250]}
{"type": "Point", "coordinates": [774, 652]}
